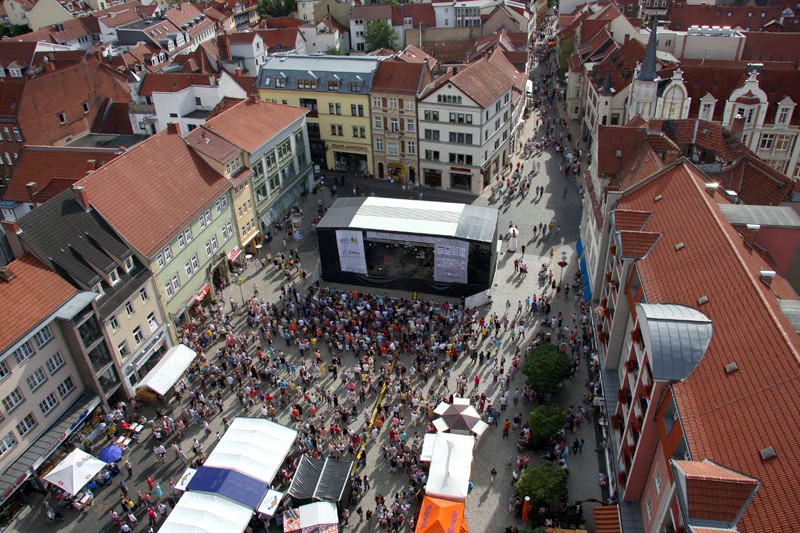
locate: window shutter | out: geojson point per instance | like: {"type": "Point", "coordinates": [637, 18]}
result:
{"type": "Point", "coordinates": [400, 103]}
{"type": "Point", "coordinates": [402, 125]}
{"type": "Point", "coordinates": [384, 101]}
{"type": "Point", "coordinates": [385, 123]}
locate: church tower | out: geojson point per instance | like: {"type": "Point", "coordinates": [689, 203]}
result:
{"type": "Point", "coordinates": [644, 88]}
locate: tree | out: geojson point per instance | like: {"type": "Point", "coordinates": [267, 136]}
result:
{"type": "Point", "coordinates": [276, 8]}
{"type": "Point", "coordinates": [380, 35]}
{"type": "Point", "coordinates": [544, 421]}
{"type": "Point", "coordinates": [545, 483]}
{"type": "Point", "coordinates": [547, 367]}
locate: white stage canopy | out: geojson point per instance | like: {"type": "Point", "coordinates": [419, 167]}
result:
{"type": "Point", "coordinates": [451, 464]}
{"type": "Point", "coordinates": [431, 438]}
{"type": "Point", "coordinates": [198, 512]}
{"type": "Point", "coordinates": [253, 447]}
{"type": "Point", "coordinates": [169, 370]}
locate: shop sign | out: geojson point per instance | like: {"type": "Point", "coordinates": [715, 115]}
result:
{"type": "Point", "coordinates": [348, 147]}
{"type": "Point", "coordinates": [457, 169]}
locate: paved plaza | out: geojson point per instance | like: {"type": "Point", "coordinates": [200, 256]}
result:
{"type": "Point", "coordinates": [487, 505]}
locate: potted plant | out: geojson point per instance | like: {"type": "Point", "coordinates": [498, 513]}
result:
{"type": "Point", "coordinates": [631, 365]}
{"type": "Point", "coordinates": [636, 336]}
{"type": "Point", "coordinates": [608, 276]}
{"type": "Point", "coordinates": [622, 396]}
{"type": "Point", "coordinates": [617, 421]}
{"type": "Point", "coordinates": [613, 249]}
{"type": "Point", "coordinates": [623, 478]}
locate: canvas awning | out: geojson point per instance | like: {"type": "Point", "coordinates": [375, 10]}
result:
{"type": "Point", "coordinates": [238, 487]}
{"type": "Point", "coordinates": [439, 516]}
{"type": "Point", "coordinates": [254, 447]}
{"type": "Point", "coordinates": [431, 438]}
{"type": "Point", "coordinates": [451, 464]}
{"type": "Point", "coordinates": [169, 370]}
{"type": "Point", "coordinates": [199, 513]}
{"type": "Point", "coordinates": [320, 480]}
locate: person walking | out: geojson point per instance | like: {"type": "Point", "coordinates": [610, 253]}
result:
{"type": "Point", "coordinates": [506, 428]}
{"type": "Point", "coordinates": [492, 476]}
{"type": "Point", "coordinates": [129, 468]}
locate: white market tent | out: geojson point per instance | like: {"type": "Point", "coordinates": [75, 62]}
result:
{"type": "Point", "coordinates": [451, 464]}
{"type": "Point", "coordinates": [318, 514]}
{"type": "Point", "coordinates": [198, 512]}
{"type": "Point", "coordinates": [253, 447]}
{"type": "Point", "coordinates": [431, 438]}
{"type": "Point", "coordinates": [169, 370]}
{"type": "Point", "coordinates": [74, 471]}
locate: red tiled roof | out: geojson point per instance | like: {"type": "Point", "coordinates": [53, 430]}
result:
{"type": "Point", "coordinates": [165, 185]}
{"type": "Point", "coordinates": [501, 62]}
{"type": "Point", "coordinates": [280, 38]}
{"type": "Point", "coordinates": [20, 53]}
{"type": "Point", "coordinates": [248, 125]}
{"type": "Point", "coordinates": [714, 493]}
{"type": "Point", "coordinates": [627, 155]}
{"type": "Point", "coordinates": [211, 145]}
{"type": "Point", "coordinates": [281, 22]}
{"type": "Point", "coordinates": [628, 220]}
{"type": "Point", "coordinates": [756, 182]}
{"type": "Point", "coordinates": [450, 52]}
{"type": "Point", "coordinates": [171, 82]}
{"type": "Point", "coordinates": [682, 16]}
{"type": "Point", "coordinates": [34, 293]}
{"type": "Point", "coordinates": [482, 82]}
{"type": "Point", "coordinates": [48, 164]}
{"type": "Point", "coordinates": [185, 12]}
{"type": "Point", "coordinates": [372, 12]}
{"type": "Point", "coordinates": [11, 93]}
{"type": "Point", "coordinates": [708, 135]}
{"type": "Point", "coordinates": [333, 24]}
{"type": "Point", "coordinates": [637, 244]}
{"type": "Point", "coordinates": [769, 46]}
{"type": "Point", "coordinates": [727, 417]}
{"type": "Point", "coordinates": [399, 77]}
{"type": "Point", "coordinates": [412, 54]}
{"type": "Point", "coordinates": [420, 14]}
{"type": "Point", "coordinates": [242, 37]}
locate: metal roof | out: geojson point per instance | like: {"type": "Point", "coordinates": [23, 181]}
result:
{"type": "Point", "coordinates": [413, 216]}
{"type": "Point", "coordinates": [791, 310]}
{"type": "Point", "coordinates": [765, 215]}
{"type": "Point", "coordinates": [322, 69]}
{"type": "Point", "coordinates": [676, 337]}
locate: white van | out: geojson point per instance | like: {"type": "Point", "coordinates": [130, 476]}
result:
{"type": "Point", "coordinates": [529, 88]}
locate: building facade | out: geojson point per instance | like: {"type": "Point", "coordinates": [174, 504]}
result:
{"type": "Point", "coordinates": [465, 127]}
{"type": "Point", "coordinates": [187, 250]}
{"type": "Point", "coordinates": [395, 136]}
{"type": "Point", "coordinates": [44, 399]}
{"type": "Point", "coordinates": [335, 90]}
{"type": "Point", "coordinates": [272, 144]}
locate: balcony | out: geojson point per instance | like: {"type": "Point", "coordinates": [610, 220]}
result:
{"type": "Point", "coordinates": [142, 109]}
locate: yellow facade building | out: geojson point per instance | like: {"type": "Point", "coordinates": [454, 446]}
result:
{"type": "Point", "coordinates": [335, 90]}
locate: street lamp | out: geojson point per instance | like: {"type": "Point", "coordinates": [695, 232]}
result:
{"type": "Point", "coordinates": [240, 281]}
{"type": "Point", "coordinates": [562, 264]}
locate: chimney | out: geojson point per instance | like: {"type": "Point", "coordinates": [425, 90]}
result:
{"type": "Point", "coordinates": [10, 227]}
{"type": "Point", "coordinates": [92, 164]}
{"type": "Point", "coordinates": [627, 38]}
{"type": "Point", "coordinates": [49, 66]}
{"type": "Point", "coordinates": [12, 231]}
{"type": "Point", "coordinates": [172, 127]}
{"type": "Point", "coordinates": [82, 197]}
{"type": "Point", "coordinates": [33, 189]}
{"type": "Point", "coordinates": [6, 274]}
{"type": "Point", "coordinates": [750, 234]}
{"type": "Point", "coordinates": [711, 188]}
{"type": "Point", "coordinates": [254, 98]}
{"type": "Point", "coordinates": [237, 73]}
{"type": "Point", "coordinates": [737, 127]}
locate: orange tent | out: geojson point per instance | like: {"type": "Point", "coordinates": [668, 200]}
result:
{"type": "Point", "coordinates": [441, 516]}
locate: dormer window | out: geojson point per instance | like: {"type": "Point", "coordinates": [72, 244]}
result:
{"type": "Point", "coordinates": [113, 277]}
{"type": "Point", "coordinates": [128, 264]}
{"type": "Point", "coordinates": [15, 72]}
{"type": "Point", "coordinates": [98, 289]}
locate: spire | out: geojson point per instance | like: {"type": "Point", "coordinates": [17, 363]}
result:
{"type": "Point", "coordinates": [648, 71]}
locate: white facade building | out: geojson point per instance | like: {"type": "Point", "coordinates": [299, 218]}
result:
{"type": "Point", "coordinates": [464, 128]}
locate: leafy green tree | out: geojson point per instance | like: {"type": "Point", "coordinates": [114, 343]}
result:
{"type": "Point", "coordinates": [546, 367]}
{"type": "Point", "coordinates": [545, 483]}
{"type": "Point", "coordinates": [276, 8]}
{"type": "Point", "coordinates": [544, 421]}
{"type": "Point", "coordinates": [379, 34]}
{"type": "Point", "coordinates": [334, 51]}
